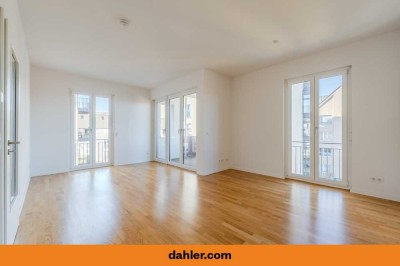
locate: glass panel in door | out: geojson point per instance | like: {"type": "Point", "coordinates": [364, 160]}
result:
{"type": "Point", "coordinates": [330, 128]}
{"type": "Point", "coordinates": [175, 130]}
{"type": "Point", "coordinates": [13, 136]}
{"type": "Point", "coordinates": [161, 130]}
{"type": "Point", "coordinates": [82, 130]}
{"type": "Point", "coordinates": [189, 130]}
{"type": "Point", "coordinates": [102, 146]}
{"type": "Point", "coordinates": [300, 135]}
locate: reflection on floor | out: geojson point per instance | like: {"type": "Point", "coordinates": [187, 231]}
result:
{"type": "Point", "coordinates": [153, 203]}
{"type": "Point", "coordinates": [189, 161]}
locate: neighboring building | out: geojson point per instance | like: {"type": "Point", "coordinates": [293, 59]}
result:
{"type": "Point", "coordinates": [330, 135]}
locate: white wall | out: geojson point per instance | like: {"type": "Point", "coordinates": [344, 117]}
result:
{"type": "Point", "coordinates": [213, 116]}
{"type": "Point", "coordinates": [215, 119]}
{"type": "Point", "coordinates": [50, 120]}
{"type": "Point", "coordinates": [258, 113]}
{"type": "Point", "coordinates": [191, 81]}
{"type": "Point", "coordinates": [18, 44]}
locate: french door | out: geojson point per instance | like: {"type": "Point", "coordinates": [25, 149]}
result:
{"type": "Point", "coordinates": [316, 145]}
{"type": "Point", "coordinates": [176, 130]}
{"type": "Point", "coordinates": [92, 130]}
{"type": "Point", "coordinates": [12, 143]}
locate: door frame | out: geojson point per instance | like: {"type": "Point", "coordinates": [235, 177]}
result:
{"type": "Point", "coordinates": [167, 135]}
{"type": "Point", "coordinates": [92, 96]}
{"type": "Point", "coordinates": [346, 127]}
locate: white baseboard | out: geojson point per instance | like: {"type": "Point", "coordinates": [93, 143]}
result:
{"type": "Point", "coordinates": [375, 194]}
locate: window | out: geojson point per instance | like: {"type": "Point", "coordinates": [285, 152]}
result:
{"type": "Point", "coordinates": [325, 152]}
{"type": "Point", "coordinates": [326, 136]}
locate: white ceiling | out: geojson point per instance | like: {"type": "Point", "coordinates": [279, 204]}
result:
{"type": "Point", "coordinates": [169, 38]}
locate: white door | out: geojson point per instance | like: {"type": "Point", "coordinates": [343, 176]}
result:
{"type": "Point", "coordinates": [3, 147]}
{"type": "Point", "coordinates": [175, 130]}
{"type": "Point", "coordinates": [12, 142]}
{"type": "Point", "coordinates": [316, 144]}
{"type": "Point", "coordinates": [301, 133]}
{"type": "Point", "coordinates": [92, 130]}
{"type": "Point", "coordinates": [331, 128]}
{"type": "Point", "coordinates": [189, 130]}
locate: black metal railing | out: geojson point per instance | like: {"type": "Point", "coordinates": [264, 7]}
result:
{"type": "Point", "coordinates": [102, 151]}
{"type": "Point", "coordinates": [330, 159]}
{"type": "Point", "coordinates": [190, 148]}
{"type": "Point", "coordinates": [301, 153]}
{"type": "Point", "coordinates": [83, 151]}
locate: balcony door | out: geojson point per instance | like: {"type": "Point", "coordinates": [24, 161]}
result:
{"type": "Point", "coordinates": [92, 130]}
{"type": "Point", "coordinates": [317, 128]}
{"type": "Point", "coordinates": [175, 136]}
{"type": "Point", "coordinates": [182, 130]}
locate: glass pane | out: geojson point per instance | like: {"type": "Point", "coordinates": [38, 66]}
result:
{"type": "Point", "coordinates": [300, 126]}
{"type": "Point", "coordinates": [102, 129]}
{"type": "Point", "coordinates": [174, 130]}
{"type": "Point", "coordinates": [189, 123]}
{"type": "Point", "coordinates": [330, 128]}
{"type": "Point", "coordinates": [82, 129]}
{"type": "Point", "coordinates": [161, 130]}
{"type": "Point", "coordinates": [13, 129]}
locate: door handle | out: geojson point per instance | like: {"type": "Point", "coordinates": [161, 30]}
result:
{"type": "Point", "coordinates": [10, 151]}
{"type": "Point", "coordinates": [13, 142]}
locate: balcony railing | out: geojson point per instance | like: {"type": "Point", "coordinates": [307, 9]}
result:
{"type": "Point", "coordinates": [330, 159]}
{"type": "Point", "coordinates": [83, 151]}
{"type": "Point", "coordinates": [189, 146]}
{"type": "Point", "coordinates": [301, 152]}
{"type": "Point", "coordinates": [102, 151]}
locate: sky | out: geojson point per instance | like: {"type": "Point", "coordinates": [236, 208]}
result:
{"type": "Point", "coordinates": [101, 104]}
{"type": "Point", "coordinates": [328, 85]}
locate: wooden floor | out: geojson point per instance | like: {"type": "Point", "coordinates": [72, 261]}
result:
{"type": "Point", "coordinates": [153, 203]}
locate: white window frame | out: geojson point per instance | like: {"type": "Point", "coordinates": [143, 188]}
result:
{"type": "Point", "coordinates": [92, 163]}
{"type": "Point", "coordinates": [346, 128]}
